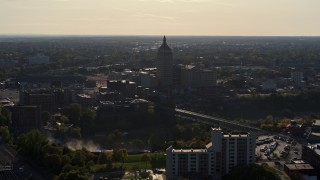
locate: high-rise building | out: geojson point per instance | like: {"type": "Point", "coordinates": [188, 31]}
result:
{"type": "Point", "coordinates": [191, 76]}
{"type": "Point", "coordinates": [225, 151]}
{"type": "Point", "coordinates": [25, 118]}
{"type": "Point", "coordinates": [39, 97]}
{"type": "Point", "coordinates": [164, 64]}
{"type": "Point", "coordinates": [311, 154]}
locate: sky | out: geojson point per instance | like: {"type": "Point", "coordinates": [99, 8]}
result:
{"type": "Point", "coordinates": [158, 17]}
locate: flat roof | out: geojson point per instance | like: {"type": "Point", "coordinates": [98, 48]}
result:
{"type": "Point", "coordinates": [315, 147]}
{"type": "Point", "coordinates": [299, 166]}
{"type": "Point", "coordinates": [189, 150]}
{"type": "Point", "coordinates": [315, 134]}
{"type": "Point", "coordinates": [316, 123]}
{"type": "Point", "coordinates": [299, 162]}
{"type": "Point", "coordinates": [236, 135]}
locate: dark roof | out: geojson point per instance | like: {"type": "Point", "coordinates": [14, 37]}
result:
{"type": "Point", "coordinates": [164, 45]}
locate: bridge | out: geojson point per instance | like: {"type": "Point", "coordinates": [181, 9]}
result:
{"type": "Point", "coordinates": [211, 120]}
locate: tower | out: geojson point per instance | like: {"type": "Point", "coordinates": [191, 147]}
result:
{"type": "Point", "coordinates": [164, 64]}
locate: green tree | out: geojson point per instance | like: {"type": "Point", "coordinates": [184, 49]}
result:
{"type": "Point", "coordinates": [5, 133]}
{"type": "Point", "coordinates": [5, 117]}
{"type": "Point", "coordinates": [64, 119]}
{"type": "Point", "coordinates": [78, 158]}
{"type": "Point", "coordinates": [46, 117]}
{"type": "Point", "coordinates": [146, 159]}
{"type": "Point", "coordinates": [31, 144]}
{"type": "Point", "coordinates": [53, 162]}
{"type": "Point", "coordinates": [6, 113]}
{"type": "Point", "coordinates": [252, 172]}
{"type": "Point", "coordinates": [73, 112]}
{"type": "Point", "coordinates": [135, 168]}
{"type": "Point", "coordinates": [120, 155]}
{"type": "Point", "coordinates": [87, 120]}
{"type": "Point", "coordinates": [105, 158]}
{"type": "Point", "coordinates": [74, 132]}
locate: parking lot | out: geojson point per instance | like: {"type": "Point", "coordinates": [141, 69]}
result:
{"type": "Point", "coordinates": [277, 148]}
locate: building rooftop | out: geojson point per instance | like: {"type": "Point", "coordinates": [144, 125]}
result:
{"type": "Point", "coordinates": [236, 135]}
{"type": "Point", "coordinates": [5, 102]}
{"type": "Point", "coordinates": [315, 147]}
{"type": "Point", "coordinates": [189, 66]}
{"type": "Point", "coordinates": [209, 145]}
{"type": "Point", "coordinates": [216, 129]}
{"type": "Point", "coordinates": [188, 150]}
{"type": "Point", "coordinates": [316, 123]}
{"type": "Point", "coordinates": [299, 166]}
{"type": "Point", "coordinates": [299, 162]}
{"type": "Point", "coordinates": [139, 101]}
{"type": "Point", "coordinates": [84, 96]}
{"type": "Point", "coordinates": [315, 134]}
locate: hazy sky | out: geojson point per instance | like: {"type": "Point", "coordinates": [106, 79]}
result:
{"type": "Point", "coordinates": [157, 17]}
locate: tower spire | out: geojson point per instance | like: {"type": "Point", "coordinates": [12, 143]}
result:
{"type": "Point", "coordinates": [164, 39]}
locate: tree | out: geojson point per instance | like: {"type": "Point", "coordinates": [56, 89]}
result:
{"type": "Point", "coordinates": [120, 155]}
{"type": "Point", "coordinates": [105, 158]}
{"type": "Point", "coordinates": [78, 158]}
{"type": "Point", "coordinates": [5, 133]}
{"type": "Point", "coordinates": [74, 132]}
{"type": "Point", "coordinates": [252, 171]}
{"type": "Point", "coordinates": [135, 168]}
{"type": "Point", "coordinates": [6, 113]}
{"type": "Point", "coordinates": [145, 158]}
{"type": "Point", "coordinates": [31, 144]}
{"type": "Point", "coordinates": [64, 119]}
{"type": "Point", "coordinates": [53, 162]}
{"type": "Point", "coordinates": [87, 120]}
{"type": "Point", "coordinates": [5, 117]}
{"type": "Point", "coordinates": [73, 112]}
{"type": "Point", "coordinates": [46, 117]}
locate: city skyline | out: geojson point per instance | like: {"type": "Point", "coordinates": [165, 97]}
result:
{"type": "Point", "coordinates": [158, 17]}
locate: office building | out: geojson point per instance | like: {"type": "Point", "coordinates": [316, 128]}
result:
{"type": "Point", "coordinates": [314, 135]}
{"type": "Point", "coordinates": [225, 151]}
{"type": "Point", "coordinates": [39, 97]}
{"type": "Point", "coordinates": [311, 154]}
{"type": "Point", "coordinates": [25, 118]}
{"type": "Point", "coordinates": [191, 76]}
{"type": "Point", "coordinates": [164, 65]}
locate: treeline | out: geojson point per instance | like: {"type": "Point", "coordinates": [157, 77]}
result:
{"type": "Point", "coordinates": [306, 101]}
{"type": "Point", "coordinates": [252, 171]}
{"type": "Point", "coordinates": [276, 104]}
{"type": "Point", "coordinates": [271, 123]}
{"type": "Point", "coordinates": [62, 163]}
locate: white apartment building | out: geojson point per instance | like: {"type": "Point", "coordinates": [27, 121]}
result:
{"type": "Point", "coordinates": [225, 151]}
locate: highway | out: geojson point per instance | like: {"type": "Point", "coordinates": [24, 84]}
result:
{"type": "Point", "coordinates": [216, 120]}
